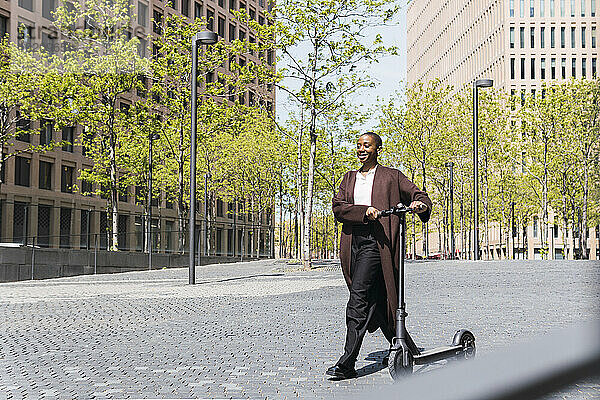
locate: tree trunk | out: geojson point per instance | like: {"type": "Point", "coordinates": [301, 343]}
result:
{"type": "Point", "coordinates": [584, 222]}
{"type": "Point", "coordinates": [306, 261]}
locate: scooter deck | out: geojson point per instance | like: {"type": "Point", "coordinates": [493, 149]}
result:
{"type": "Point", "coordinates": [439, 353]}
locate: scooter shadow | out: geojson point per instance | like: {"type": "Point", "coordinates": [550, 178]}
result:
{"type": "Point", "coordinates": [377, 366]}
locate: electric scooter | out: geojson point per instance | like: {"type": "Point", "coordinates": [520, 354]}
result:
{"type": "Point", "coordinates": [404, 354]}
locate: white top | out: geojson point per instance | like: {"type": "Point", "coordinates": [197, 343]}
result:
{"type": "Point", "coordinates": [363, 187]}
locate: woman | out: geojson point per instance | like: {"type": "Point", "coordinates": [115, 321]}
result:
{"type": "Point", "coordinates": [369, 247]}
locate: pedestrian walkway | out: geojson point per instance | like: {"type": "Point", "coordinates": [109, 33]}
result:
{"type": "Point", "coordinates": [261, 329]}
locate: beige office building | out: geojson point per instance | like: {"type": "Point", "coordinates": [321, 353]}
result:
{"type": "Point", "coordinates": [519, 44]}
{"type": "Point", "coordinates": [39, 200]}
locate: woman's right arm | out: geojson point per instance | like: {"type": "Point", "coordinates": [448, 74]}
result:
{"type": "Point", "coordinates": [344, 211]}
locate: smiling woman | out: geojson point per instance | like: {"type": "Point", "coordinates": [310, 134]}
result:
{"type": "Point", "coordinates": [369, 246]}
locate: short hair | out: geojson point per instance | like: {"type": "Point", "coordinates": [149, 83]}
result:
{"type": "Point", "coordinates": [375, 137]}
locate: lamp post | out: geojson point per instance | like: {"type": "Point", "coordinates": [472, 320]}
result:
{"type": "Point", "coordinates": [152, 137]}
{"type": "Point", "coordinates": [479, 83]}
{"type": "Point", "coordinates": [207, 38]}
{"type": "Point", "coordinates": [451, 166]}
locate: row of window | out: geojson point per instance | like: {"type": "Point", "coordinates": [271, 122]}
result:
{"type": "Point", "coordinates": [23, 175]}
{"type": "Point", "coordinates": [163, 237]}
{"type": "Point", "coordinates": [553, 72]}
{"type": "Point", "coordinates": [574, 33]}
{"type": "Point", "coordinates": [584, 6]}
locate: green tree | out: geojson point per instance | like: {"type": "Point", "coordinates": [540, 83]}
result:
{"type": "Point", "coordinates": [107, 65]}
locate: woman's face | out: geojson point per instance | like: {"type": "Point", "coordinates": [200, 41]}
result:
{"type": "Point", "coordinates": [366, 149]}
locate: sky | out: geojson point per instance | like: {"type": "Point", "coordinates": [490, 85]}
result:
{"type": "Point", "coordinates": [388, 73]}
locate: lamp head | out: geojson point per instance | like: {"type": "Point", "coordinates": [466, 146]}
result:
{"type": "Point", "coordinates": [206, 37]}
{"type": "Point", "coordinates": [483, 83]}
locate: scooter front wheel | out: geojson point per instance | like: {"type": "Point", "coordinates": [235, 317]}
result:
{"type": "Point", "coordinates": [397, 366]}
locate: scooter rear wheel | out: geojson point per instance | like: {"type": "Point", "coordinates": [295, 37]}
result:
{"type": "Point", "coordinates": [396, 366]}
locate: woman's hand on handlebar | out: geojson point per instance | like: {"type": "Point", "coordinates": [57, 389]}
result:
{"type": "Point", "coordinates": [372, 213]}
{"type": "Point", "coordinates": [418, 206]}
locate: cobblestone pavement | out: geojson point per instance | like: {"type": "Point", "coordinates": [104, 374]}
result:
{"type": "Point", "coordinates": [262, 329]}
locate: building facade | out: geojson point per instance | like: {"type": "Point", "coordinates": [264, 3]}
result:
{"type": "Point", "coordinates": [40, 197]}
{"type": "Point", "coordinates": [519, 44]}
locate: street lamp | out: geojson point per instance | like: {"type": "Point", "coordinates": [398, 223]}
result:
{"type": "Point", "coordinates": [479, 83]}
{"type": "Point", "coordinates": [152, 137]}
{"type": "Point", "coordinates": [451, 166]}
{"type": "Point", "coordinates": [207, 38]}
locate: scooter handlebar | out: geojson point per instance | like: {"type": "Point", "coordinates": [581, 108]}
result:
{"type": "Point", "coordinates": [397, 210]}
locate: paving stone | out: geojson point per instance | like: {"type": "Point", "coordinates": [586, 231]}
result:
{"type": "Point", "coordinates": [262, 329]}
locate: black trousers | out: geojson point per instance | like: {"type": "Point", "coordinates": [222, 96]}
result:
{"type": "Point", "coordinates": [367, 293]}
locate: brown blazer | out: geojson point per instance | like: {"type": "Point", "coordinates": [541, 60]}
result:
{"type": "Point", "coordinates": [390, 187]}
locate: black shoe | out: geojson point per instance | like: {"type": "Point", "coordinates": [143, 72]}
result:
{"type": "Point", "coordinates": [341, 372]}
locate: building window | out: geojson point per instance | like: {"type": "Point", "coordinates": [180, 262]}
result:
{"type": "Point", "coordinates": [26, 4]}
{"type": "Point", "coordinates": [521, 8]}
{"type": "Point", "coordinates": [593, 37]}
{"type": "Point", "coordinates": [563, 65]}
{"type": "Point", "coordinates": [593, 8]}
{"type": "Point", "coordinates": [572, 37]}
{"type": "Point", "coordinates": [210, 20]}
{"type": "Point", "coordinates": [553, 68]}
{"type": "Point", "coordinates": [67, 137]}
{"type": "Point", "coordinates": [573, 67]}
{"type": "Point", "coordinates": [46, 129]}
{"type": "Point", "coordinates": [48, 7]}
{"type": "Point", "coordinates": [23, 128]}
{"type": "Point", "coordinates": [542, 9]}
{"type": "Point", "coordinates": [562, 8]}
{"type": "Point", "coordinates": [20, 222]}
{"type": "Point", "coordinates": [552, 41]}
{"type": "Point", "coordinates": [142, 14]}
{"type": "Point", "coordinates": [512, 68]}
{"type": "Point", "coordinates": [583, 8]}
{"type": "Point", "coordinates": [512, 8]}
{"type": "Point", "coordinates": [169, 236]}
{"type": "Point", "coordinates": [572, 8]}
{"type": "Point", "coordinates": [185, 7]}
{"type": "Point", "coordinates": [65, 227]}
{"type": "Point", "coordinates": [532, 68]}
{"type": "Point", "coordinates": [583, 68]}
{"type": "Point", "coordinates": [583, 37]}
{"type": "Point", "coordinates": [157, 22]}
{"type": "Point", "coordinates": [3, 26]}
{"type": "Point", "coordinates": [562, 37]}
{"type": "Point", "coordinates": [197, 10]}
{"type": "Point", "coordinates": [543, 68]}
{"type": "Point", "coordinates": [43, 231]}
{"type": "Point", "coordinates": [86, 188]}
{"type": "Point", "coordinates": [66, 179]}
{"type": "Point", "coordinates": [232, 5]}
{"type": "Point", "coordinates": [535, 226]}
{"type": "Point", "coordinates": [522, 37]}
{"type": "Point", "coordinates": [531, 8]}
{"type": "Point", "coordinates": [241, 36]}
{"type": "Point", "coordinates": [532, 37]}
{"type": "Point", "coordinates": [542, 37]}
{"type": "Point", "coordinates": [221, 27]}
{"type": "Point", "coordinates": [172, 4]}
{"type": "Point", "coordinates": [522, 68]}
{"type": "Point", "coordinates": [219, 208]}
{"type": "Point", "coordinates": [45, 175]}
{"type": "Point", "coordinates": [594, 67]}
{"type": "Point", "coordinates": [22, 169]}
{"type": "Point", "coordinates": [230, 242]}
{"type": "Point", "coordinates": [231, 33]}
{"type": "Point", "coordinates": [552, 8]}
